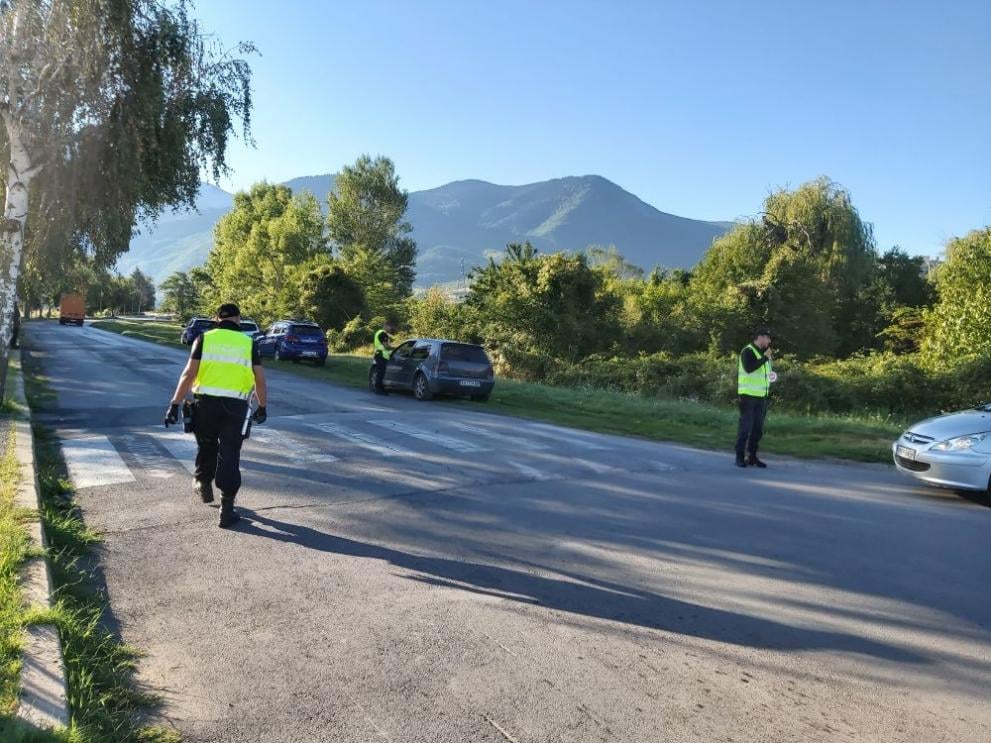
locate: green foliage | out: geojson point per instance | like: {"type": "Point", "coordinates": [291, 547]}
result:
{"type": "Point", "coordinates": [959, 325]}
{"type": "Point", "coordinates": [366, 224]}
{"type": "Point", "coordinates": [261, 250]}
{"type": "Point", "coordinates": [181, 296]}
{"type": "Point", "coordinates": [434, 314]}
{"type": "Point", "coordinates": [329, 296]}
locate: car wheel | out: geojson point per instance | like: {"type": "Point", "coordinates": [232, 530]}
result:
{"type": "Point", "coordinates": [320, 362]}
{"type": "Point", "coordinates": [278, 355]}
{"type": "Point", "coordinates": [421, 390]}
{"type": "Point", "coordinates": [480, 398]}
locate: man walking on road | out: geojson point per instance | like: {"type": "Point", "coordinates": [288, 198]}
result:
{"type": "Point", "coordinates": [222, 371]}
{"type": "Point", "coordinates": [383, 350]}
{"type": "Point", "coordinates": [754, 377]}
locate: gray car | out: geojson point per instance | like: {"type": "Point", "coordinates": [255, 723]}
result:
{"type": "Point", "coordinates": [430, 366]}
{"type": "Point", "coordinates": [949, 451]}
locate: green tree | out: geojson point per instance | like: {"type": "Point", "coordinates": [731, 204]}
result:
{"type": "Point", "coordinates": [959, 324]}
{"type": "Point", "coordinates": [110, 112]}
{"type": "Point", "coordinates": [330, 296]}
{"type": "Point", "coordinates": [366, 222]}
{"type": "Point", "coordinates": [259, 247]}
{"type": "Point", "coordinates": [181, 295]}
{"type": "Point", "coordinates": [144, 291]}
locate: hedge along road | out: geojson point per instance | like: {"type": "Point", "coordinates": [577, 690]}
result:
{"type": "Point", "coordinates": [415, 572]}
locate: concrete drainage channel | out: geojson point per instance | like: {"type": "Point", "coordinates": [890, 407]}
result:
{"type": "Point", "coordinates": [43, 700]}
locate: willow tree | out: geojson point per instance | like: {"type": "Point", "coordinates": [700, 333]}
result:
{"type": "Point", "coordinates": [110, 111]}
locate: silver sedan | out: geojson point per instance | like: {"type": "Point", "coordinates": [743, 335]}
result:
{"type": "Point", "coordinates": [949, 451]}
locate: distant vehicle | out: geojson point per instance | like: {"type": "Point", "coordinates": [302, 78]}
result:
{"type": "Point", "coordinates": [72, 309]}
{"type": "Point", "coordinates": [949, 451]}
{"type": "Point", "coordinates": [294, 340]}
{"type": "Point", "coordinates": [195, 328]}
{"type": "Point", "coordinates": [250, 328]}
{"type": "Point", "coordinates": [428, 367]}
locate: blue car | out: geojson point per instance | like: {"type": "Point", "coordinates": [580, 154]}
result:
{"type": "Point", "coordinates": [195, 328]}
{"type": "Point", "coordinates": [428, 367]}
{"type": "Point", "coordinates": [294, 340]}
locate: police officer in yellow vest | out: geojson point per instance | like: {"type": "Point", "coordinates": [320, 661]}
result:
{"type": "Point", "coordinates": [754, 375]}
{"type": "Point", "coordinates": [222, 371]}
{"type": "Point", "coordinates": [383, 350]}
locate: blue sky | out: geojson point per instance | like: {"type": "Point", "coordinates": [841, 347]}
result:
{"type": "Point", "coordinates": [699, 108]}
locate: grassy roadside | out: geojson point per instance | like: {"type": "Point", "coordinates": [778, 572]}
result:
{"type": "Point", "coordinates": [105, 704]}
{"type": "Point", "coordinates": [842, 437]}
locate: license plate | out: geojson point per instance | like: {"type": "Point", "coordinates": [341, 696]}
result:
{"type": "Point", "coordinates": [309, 353]}
{"type": "Point", "coordinates": [470, 383]}
{"type": "Point", "coordinates": [905, 453]}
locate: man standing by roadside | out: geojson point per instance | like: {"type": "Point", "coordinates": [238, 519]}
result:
{"type": "Point", "coordinates": [754, 377]}
{"type": "Point", "coordinates": [383, 350]}
{"type": "Point", "coordinates": [222, 371]}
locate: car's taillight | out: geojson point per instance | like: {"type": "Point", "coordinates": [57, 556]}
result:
{"type": "Point", "coordinates": [442, 367]}
{"type": "Point", "coordinates": [292, 339]}
{"type": "Point", "coordinates": [489, 372]}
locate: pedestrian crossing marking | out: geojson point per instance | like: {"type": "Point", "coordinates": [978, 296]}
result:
{"type": "Point", "coordinates": [298, 451]}
{"type": "Point", "coordinates": [502, 438]}
{"type": "Point", "coordinates": [143, 450]}
{"type": "Point", "coordinates": [180, 445]}
{"type": "Point", "coordinates": [94, 461]}
{"type": "Point", "coordinates": [364, 440]}
{"type": "Point", "coordinates": [564, 436]}
{"type": "Point", "coordinates": [446, 442]}
{"type": "Point", "coordinates": [527, 471]}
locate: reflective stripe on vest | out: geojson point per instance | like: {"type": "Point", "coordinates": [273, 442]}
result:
{"type": "Point", "coordinates": [755, 383]}
{"type": "Point", "coordinates": [380, 346]}
{"type": "Point", "coordinates": [225, 366]}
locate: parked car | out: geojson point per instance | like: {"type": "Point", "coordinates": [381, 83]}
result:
{"type": "Point", "coordinates": [294, 340]}
{"type": "Point", "coordinates": [195, 328]}
{"type": "Point", "coordinates": [428, 367]}
{"type": "Point", "coordinates": [250, 328]}
{"type": "Point", "coordinates": [949, 451]}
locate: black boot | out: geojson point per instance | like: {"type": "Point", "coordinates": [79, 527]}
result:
{"type": "Point", "coordinates": [740, 461]}
{"type": "Point", "coordinates": [753, 461]}
{"type": "Point", "coordinates": [204, 489]}
{"type": "Point", "coordinates": [228, 516]}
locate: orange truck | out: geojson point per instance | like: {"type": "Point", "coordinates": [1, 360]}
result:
{"type": "Point", "coordinates": [72, 309]}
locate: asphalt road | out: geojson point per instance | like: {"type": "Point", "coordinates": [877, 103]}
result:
{"type": "Point", "coordinates": [418, 572]}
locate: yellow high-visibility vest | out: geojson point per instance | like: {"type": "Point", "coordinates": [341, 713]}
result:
{"type": "Point", "coordinates": [756, 383]}
{"type": "Point", "coordinates": [225, 367]}
{"type": "Point", "coordinates": [380, 346]}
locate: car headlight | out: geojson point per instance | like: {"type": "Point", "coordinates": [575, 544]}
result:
{"type": "Point", "coordinates": [960, 443]}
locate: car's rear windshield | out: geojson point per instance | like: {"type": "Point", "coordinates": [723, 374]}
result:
{"type": "Point", "coordinates": [205, 323]}
{"type": "Point", "coordinates": [463, 352]}
{"type": "Point", "coordinates": [305, 330]}
{"type": "Point", "coordinates": [249, 326]}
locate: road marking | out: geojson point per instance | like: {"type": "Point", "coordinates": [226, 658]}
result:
{"type": "Point", "coordinates": [503, 438]}
{"type": "Point", "coordinates": [180, 445]}
{"type": "Point", "coordinates": [147, 455]}
{"type": "Point", "coordinates": [429, 436]}
{"type": "Point", "coordinates": [296, 450]}
{"type": "Point", "coordinates": [528, 471]}
{"type": "Point", "coordinates": [565, 436]}
{"type": "Point", "coordinates": [93, 461]}
{"type": "Point", "coordinates": [364, 440]}
{"type": "Point", "coordinates": [597, 467]}
{"type": "Point", "coordinates": [662, 467]}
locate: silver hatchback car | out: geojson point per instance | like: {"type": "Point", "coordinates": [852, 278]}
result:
{"type": "Point", "coordinates": [949, 451]}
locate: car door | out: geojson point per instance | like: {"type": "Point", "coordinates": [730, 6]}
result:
{"type": "Point", "coordinates": [397, 363]}
{"type": "Point", "coordinates": [265, 343]}
{"type": "Point", "coordinates": [419, 354]}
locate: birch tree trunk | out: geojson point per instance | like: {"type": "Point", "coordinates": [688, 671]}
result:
{"type": "Point", "coordinates": [20, 171]}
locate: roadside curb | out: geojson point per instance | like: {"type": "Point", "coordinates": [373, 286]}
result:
{"type": "Point", "coordinates": [43, 696]}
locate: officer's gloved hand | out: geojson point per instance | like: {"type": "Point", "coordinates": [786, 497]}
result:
{"type": "Point", "coordinates": [260, 415]}
{"type": "Point", "coordinates": [172, 415]}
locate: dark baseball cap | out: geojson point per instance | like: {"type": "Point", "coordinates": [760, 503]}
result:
{"type": "Point", "coordinates": [228, 310]}
{"type": "Point", "coordinates": [763, 331]}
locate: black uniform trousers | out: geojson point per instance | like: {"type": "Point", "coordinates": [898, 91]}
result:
{"type": "Point", "coordinates": [753, 410]}
{"type": "Point", "coordinates": [218, 422]}
{"type": "Point", "coordinates": [380, 362]}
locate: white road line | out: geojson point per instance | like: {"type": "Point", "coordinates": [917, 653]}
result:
{"type": "Point", "coordinates": [597, 467]}
{"type": "Point", "coordinates": [513, 441]}
{"type": "Point", "coordinates": [180, 445]}
{"type": "Point", "coordinates": [528, 471]}
{"type": "Point", "coordinates": [564, 436]}
{"type": "Point", "coordinates": [153, 464]}
{"type": "Point", "coordinates": [93, 461]}
{"type": "Point", "coordinates": [429, 436]}
{"type": "Point", "coordinates": [296, 450]}
{"type": "Point", "coordinates": [364, 440]}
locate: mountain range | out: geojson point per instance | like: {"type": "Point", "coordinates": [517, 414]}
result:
{"type": "Point", "coordinates": [467, 221]}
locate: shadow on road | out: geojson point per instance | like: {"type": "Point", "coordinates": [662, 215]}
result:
{"type": "Point", "coordinates": [591, 598]}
